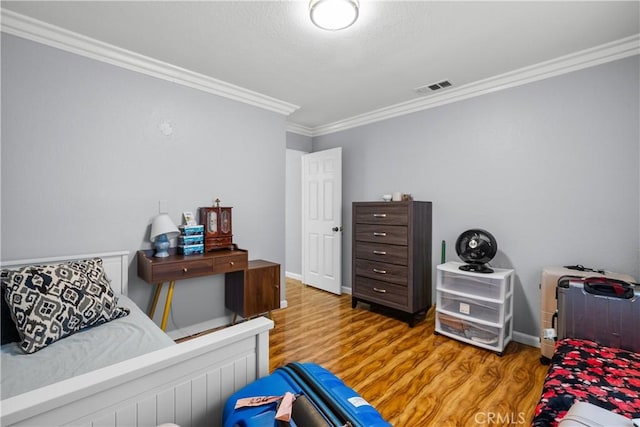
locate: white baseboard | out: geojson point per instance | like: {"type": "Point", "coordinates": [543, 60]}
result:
{"type": "Point", "coordinates": [291, 275]}
{"type": "Point", "coordinates": [527, 339]}
{"type": "Point", "coordinates": [296, 276]}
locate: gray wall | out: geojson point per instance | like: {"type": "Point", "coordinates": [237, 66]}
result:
{"type": "Point", "coordinates": [293, 214]}
{"type": "Point", "coordinates": [84, 166]}
{"type": "Point", "coordinates": [549, 168]}
{"type": "Point", "coordinates": [297, 146]}
{"type": "Point", "coordinates": [299, 142]}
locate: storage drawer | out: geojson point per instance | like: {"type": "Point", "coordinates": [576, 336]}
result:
{"type": "Point", "coordinates": [473, 331]}
{"type": "Point", "coordinates": [382, 271]}
{"type": "Point", "coordinates": [233, 262]}
{"type": "Point", "coordinates": [380, 252]}
{"type": "Point", "coordinates": [482, 286]}
{"type": "Point", "coordinates": [388, 234]}
{"type": "Point", "coordinates": [380, 292]}
{"type": "Point", "coordinates": [165, 272]}
{"type": "Point", "coordinates": [483, 310]}
{"type": "Point", "coordinates": [383, 213]}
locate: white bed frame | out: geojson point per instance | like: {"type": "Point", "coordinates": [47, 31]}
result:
{"type": "Point", "coordinates": [186, 384]}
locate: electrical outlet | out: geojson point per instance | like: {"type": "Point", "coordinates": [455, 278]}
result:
{"type": "Point", "coordinates": [549, 333]}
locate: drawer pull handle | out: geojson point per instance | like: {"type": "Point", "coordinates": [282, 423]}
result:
{"type": "Point", "coordinates": [379, 252]}
{"type": "Point", "coordinates": [379, 234]}
{"type": "Point", "coordinates": [231, 263]}
{"type": "Point", "coordinates": [381, 291]}
{"type": "Point", "coordinates": [379, 215]}
{"type": "Point", "coordinates": [375, 270]}
{"type": "Point", "coordinates": [185, 269]}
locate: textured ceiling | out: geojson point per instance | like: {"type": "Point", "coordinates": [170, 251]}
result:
{"type": "Point", "coordinates": [272, 48]}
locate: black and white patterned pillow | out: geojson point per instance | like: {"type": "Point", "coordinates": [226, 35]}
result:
{"type": "Point", "coordinates": [50, 302]}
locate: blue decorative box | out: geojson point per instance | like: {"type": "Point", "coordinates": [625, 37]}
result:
{"type": "Point", "coordinates": [191, 230]}
{"type": "Point", "coordinates": [190, 249]}
{"type": "Point", "coordinates": [195, 239]}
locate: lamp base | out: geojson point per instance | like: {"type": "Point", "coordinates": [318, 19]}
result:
{"type": "Point", "coordinates": [162, 246]}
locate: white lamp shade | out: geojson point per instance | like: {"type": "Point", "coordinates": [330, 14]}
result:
{"type": "Point", "coordinates": [162, 224]}
{"type": "Point", "coordinates": [333, 14]}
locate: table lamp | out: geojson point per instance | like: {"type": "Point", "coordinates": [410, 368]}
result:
{"type": "Point", "coordinates": [162, 229]}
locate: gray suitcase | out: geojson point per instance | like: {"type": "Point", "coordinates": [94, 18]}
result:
{"type": "Point", "coordinates": [603, 310]}
{"type": "Point", "coordinates": [584, 414]}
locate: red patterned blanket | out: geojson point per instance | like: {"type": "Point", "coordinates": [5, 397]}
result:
{"type": "Point", "coordinates": [582, 370]}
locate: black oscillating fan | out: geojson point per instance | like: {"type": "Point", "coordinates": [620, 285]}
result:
{"type": "Point", "coordinates": [476, 247]}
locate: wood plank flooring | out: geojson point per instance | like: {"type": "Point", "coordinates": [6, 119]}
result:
{"type": "Point", "coordinates": [413, 377]}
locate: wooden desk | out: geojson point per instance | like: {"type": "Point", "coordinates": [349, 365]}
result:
{"type": "Point", "coordinates": [177, 267]}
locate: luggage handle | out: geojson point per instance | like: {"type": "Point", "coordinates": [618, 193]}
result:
{"type": "Point", "coordinates": [608, 287]}
{"type": "Point", "coordinates": [581, 267]}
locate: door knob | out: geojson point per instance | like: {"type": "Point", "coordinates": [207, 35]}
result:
{"type": "Point", "coordinates": [336, 229]}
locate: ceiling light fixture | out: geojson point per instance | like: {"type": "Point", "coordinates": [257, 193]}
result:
{"type": "Point", "coordinates": [333, 14]}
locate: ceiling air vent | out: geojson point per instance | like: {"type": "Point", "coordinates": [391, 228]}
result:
{"type": "Point", "coordinates": [426, 90]}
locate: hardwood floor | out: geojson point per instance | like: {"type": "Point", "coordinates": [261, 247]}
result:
{"type": "Point", "coordinates": [413, 377]}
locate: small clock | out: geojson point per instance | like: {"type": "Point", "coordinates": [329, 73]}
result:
{"type": "Point", "coordinates": [217, 227]}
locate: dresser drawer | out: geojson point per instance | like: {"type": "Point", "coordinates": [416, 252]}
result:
{"type": "Point", "coordinates": [232, 262]}
{"type": "Point", "coordinates": [381, 292]}
{"type": "Point", "coordinates": [165, 272]}
{"type": "Point", "coordinates": [389, 234]}
{"type": "Point", "coordinates": [383, 213]}
{"type": "Point", "coordinates": [392, 254]}
{"type": "Point", "coordinates": [382, 271]}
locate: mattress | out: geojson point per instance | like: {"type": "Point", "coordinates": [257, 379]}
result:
{"type": "Point", "coordinates": [85, 351]}
{"type": "Point", "coordinates": [582, 370]}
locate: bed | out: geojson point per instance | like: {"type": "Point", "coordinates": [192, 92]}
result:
{"type": "Point", "coordinates": [159, 382]}
{"type": "Point", "coordinates": [585, 371]}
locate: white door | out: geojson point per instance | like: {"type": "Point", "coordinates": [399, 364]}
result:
{"type": "Point", "coordinates": [322, 220]}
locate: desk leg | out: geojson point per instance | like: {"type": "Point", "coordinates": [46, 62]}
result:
{"type": "Point", "coordinates": [167, 305]}
{"type": "Point", "coordinates": [155, 300]}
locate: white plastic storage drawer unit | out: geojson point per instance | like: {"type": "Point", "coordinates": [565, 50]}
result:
{"type": "Point", "coordinates": [476, 308]}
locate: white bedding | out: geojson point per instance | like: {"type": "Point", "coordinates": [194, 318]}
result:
{"type": "Point", "coordinates": [82, 352]}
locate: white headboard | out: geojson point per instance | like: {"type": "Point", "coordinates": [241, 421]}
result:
{"type": "Point", "coordinates": [116, 266]}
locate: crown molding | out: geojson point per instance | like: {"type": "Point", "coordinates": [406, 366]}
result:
{"type": "Point", "coordinates": [299, 129]}
{"type": "Point", "coordinates": [32, 29]}
{"type": "Point", "coordinates": [608, 52]}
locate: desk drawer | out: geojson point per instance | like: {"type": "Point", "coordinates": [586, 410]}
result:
{"type": "Point", "coordinates": [389, 234]}
{"type": "Point", "coordinates": [165, 272]}
{"type": "Point", "coordinates": [232, 262]}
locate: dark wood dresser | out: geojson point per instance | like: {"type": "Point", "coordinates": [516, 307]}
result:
{"type": "Point", "coordinates": [392, 256]}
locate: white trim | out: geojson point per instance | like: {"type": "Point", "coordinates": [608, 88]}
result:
{"type": "Point", "coordinates": [608, 52]}
{"type": "Point", "coordinates": [533, 341]}
{"type": "Point", "coordinates": [299, 129]}
{"type": "Point", "coordinates": [32, 29]}
{"type": "Point", "coordinates": [291, 275]}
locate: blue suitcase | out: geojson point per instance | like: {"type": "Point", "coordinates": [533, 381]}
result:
{"type": "Point", "coordinates": [322, 399]}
